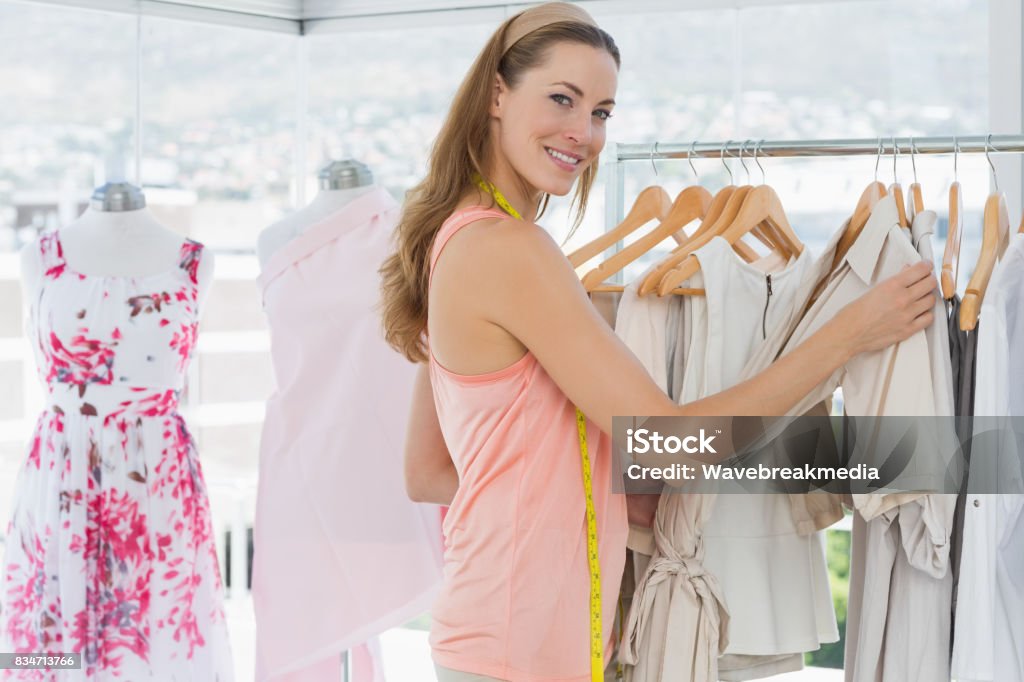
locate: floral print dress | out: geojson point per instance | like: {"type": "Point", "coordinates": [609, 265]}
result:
{"type": "Point", "coordinates": [110, 551]}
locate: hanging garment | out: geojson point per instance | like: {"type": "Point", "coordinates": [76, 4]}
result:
{"type": "Point", "coordinates": [341, 554]}
{"type": "Point", "coordinates": [606, 303]}
{"type": "Point", "coordinates": [904, 553]}
{"type": "Point", "coordinates": [906, 379]}
{"type": "Point", "coordinates": [678, 624]}
{"type": "Point", "coordinates": [641, 322]}
{"type": "Point", "coordinates": [678, 580]}
{"type": "Point", "coordinates": [110, 550]}
{"type": "Point", "coordinates": [963, 346]}
{"type": "Point", "coordinates": [676, 340]}
{"type": "Point", "coordinates": [515, 600]}
{"type": "Point", "coordinates": [897, 380]}
{"type": "Point", "coordinates": [643, 325]}
{"type": "Point", "coordinates": [989, 625]}
{"type": "Point", "coordinates": [680, 595]}
{"type": "Point", "coordinates": [752, 545]}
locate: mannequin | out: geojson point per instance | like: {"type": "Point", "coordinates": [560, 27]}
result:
{"type": "Point", "coordinates": [117, 236]}
{"type": "Point", "coordinates": [113, 320]}
{"type": "Point", "coordinates": [340, 182]}
{"type": "Point", "coordinates": [334, 374]}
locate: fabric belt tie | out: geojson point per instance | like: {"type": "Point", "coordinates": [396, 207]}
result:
{"type": "Point", "coordinates": [694, 598]}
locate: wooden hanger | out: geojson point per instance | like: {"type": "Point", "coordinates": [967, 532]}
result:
{"type": "Point", "coordinates": [775, 231]}
{"type": "Point", "coordinates": [951, 254]}
{"type": "Point", "coordinates": [718, 204]}
{"type": "Point", "coordinates": [762, 232]}
{"type": "Point", "coordinates": [916, 199]}
{"type": "Point", "coordinates": [1020, 230]}
{"type": "Point", "coordinates": [994, 236]}
{"type": "Point", "coordinates": [901, 207]}
{"type": "Point", "coordinates": [729, 212]}
{"type": "Point", "coordinates": [896, 190]}
{"type": "Point", "coordinates": [761, 205]}
{"type": "Point", "coordinates": [677, 254]}
{"type": "Point", "coordinates": [653, 203]}
{"type": "Point", "coordinates": [871, 195]}
{"type": "Point", "coordinates": [713, 224]}
{"type": "Point", "coordinates": [693, 202]}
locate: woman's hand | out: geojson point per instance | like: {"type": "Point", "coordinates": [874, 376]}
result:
{"type": "Point", "coordinates": [892, 310]}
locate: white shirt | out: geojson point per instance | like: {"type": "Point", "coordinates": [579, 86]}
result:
{"type": "Point", "coordinates": [764, 564]}
{"type": "Point", "coordinates": [987, 642]}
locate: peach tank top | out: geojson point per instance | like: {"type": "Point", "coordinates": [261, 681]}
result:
{"type": "Point", "coordinates": [515, 600]}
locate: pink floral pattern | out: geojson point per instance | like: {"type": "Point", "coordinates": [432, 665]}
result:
{"type": "Point", "coordinates": [110, 550]}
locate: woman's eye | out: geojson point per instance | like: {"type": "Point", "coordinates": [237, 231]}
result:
{"type": "Point", "coordinates": [603, 114]}
{"type": "Point", "coordinates": [561, 99]}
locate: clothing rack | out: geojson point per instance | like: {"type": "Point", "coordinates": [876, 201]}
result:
{"type": "Point", "coordinates": [883, 146]}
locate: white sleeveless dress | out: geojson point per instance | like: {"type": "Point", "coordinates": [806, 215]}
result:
{"type": "Point", "coordinates": [110, 551]}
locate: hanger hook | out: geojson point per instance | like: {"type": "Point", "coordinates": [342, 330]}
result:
{"type": "Point", "coordinates": [722, 156]}
{"type": "Point", "coordinates": [758, 161]}
{"type": "Point", "coordinates": [988, 143]}
{"type": "Point", "coordinates": [913, 155]}
{"type": "Point", "coordinates": [895, 157]}
{"type": "Point", "coordinates": [878, 158]}
{"type": "Point", "coordinates": [654, 150]}
{"type": "Point", "coordinates": [956, 155]}
{"type": "Point", "coordinates": [743, 146]}
{"type": "Point", "coordinates": [693, 147]}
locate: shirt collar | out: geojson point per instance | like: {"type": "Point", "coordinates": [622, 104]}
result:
{"type": "Point", "coordinates": [862, 256]}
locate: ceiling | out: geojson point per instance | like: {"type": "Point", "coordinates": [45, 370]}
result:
{"type": "Point", "coordinates": [309, 16]}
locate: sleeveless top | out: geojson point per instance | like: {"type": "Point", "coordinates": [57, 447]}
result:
{"type": "Point", "coordinates": [515, 600]}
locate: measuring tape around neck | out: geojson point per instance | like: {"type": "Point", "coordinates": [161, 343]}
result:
{"type": "Point", "coordinates": [596, 645]}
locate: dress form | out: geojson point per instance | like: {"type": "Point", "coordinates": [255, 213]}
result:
{"type": "Point", "coordinates": [340, 182]}
{"type": "Point", "coordinates": [117, 236]}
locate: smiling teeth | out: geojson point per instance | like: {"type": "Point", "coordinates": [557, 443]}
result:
{"type": "Point", "coordinates": [562, 157]}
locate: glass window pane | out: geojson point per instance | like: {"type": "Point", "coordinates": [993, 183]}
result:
{"type": "Point", "coordinates": [67, 83]}
{"type": "Point", "coordinates": [908, 69]}
{"type": "Point", "coordinates": [219, 128]}
{"type": "Point", "coordinates": [380, 97]}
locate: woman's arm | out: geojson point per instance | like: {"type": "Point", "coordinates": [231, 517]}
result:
{"type": "Point", "coordinates": [430, 474]}
{"type": "Point", "coordinates": [533, 293]}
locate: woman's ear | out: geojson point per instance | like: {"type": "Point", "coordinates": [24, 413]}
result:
{"type": "Point", "coordinates": [498, 95]}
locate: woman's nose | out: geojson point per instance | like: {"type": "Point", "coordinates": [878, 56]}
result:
{"type": "Point", "coordinates": [580, 130]}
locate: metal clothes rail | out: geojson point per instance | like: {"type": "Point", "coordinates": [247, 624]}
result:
{"type": "Point", "coordinates": [973, 144]}
{"type": "Point", "coordinates": [883, 146]}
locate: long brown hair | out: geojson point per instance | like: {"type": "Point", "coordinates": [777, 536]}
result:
{"type": "Point", "coordinates": [457, 156]}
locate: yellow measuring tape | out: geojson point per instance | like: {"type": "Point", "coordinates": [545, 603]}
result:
{"type": "Point", "coordinates": [596, 645]}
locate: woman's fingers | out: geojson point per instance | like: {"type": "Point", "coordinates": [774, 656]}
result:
{"type": "Point", "coordinates": [914, 273]}
{"type": "Point", "coordinates": [923, 288]}
{"type": "Point", "coordinates": [922, 321]}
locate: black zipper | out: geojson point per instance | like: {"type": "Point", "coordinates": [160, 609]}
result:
{"type": "Point", "coordinates": [764, 317]}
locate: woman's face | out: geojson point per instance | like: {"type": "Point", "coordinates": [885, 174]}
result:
{"type": "Point", "coordinates": [551, 126]}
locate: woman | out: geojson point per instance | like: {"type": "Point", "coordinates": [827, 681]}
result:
{"type": "Point", "coordinates": [515, 344]}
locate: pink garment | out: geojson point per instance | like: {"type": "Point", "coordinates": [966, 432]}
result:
{"type": "Point", "coordinates": [515, 602]}
{"type": "Point", "coordinates": [341, 552]}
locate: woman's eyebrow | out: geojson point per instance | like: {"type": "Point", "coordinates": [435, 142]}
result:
{"type": "Point", "coordinates": [579, 93]}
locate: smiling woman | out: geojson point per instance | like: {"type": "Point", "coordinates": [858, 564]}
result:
{"type": "Point", "coordinates": [560, 109]}
{"type": "Point", "coordinates": [512, 346]}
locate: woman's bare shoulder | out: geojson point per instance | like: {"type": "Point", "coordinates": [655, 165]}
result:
{"type": "Point", "coordinates": [506, 240]}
